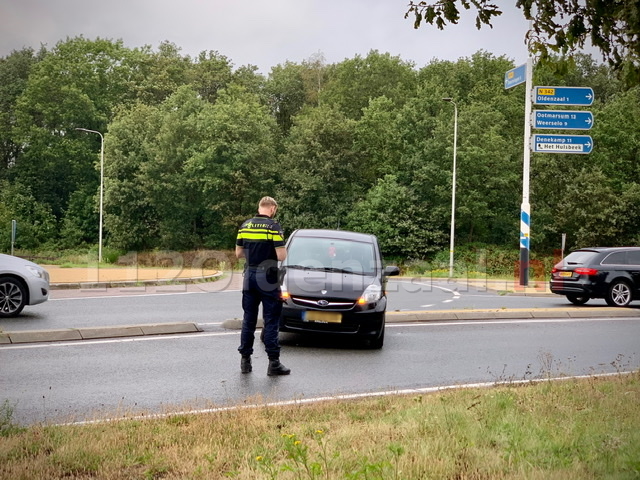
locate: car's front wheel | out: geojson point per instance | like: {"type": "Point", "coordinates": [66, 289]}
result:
{"type": "Point", "coordinates": [13, 297]}
{"type": "Point", "coordinates": [578, 299]}
{"type": "Point", "coordinates": [378, 342]}
{"type": "Point", "coordinates": [620, 294]}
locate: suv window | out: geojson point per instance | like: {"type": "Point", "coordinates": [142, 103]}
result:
{"type": "Point", "coordinates": [579, 258]}
{"type": "Point", "coordinates": [616, 258]}
{"type": "Point", "coordinates": [633, 257]}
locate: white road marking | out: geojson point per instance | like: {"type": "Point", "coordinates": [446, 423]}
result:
{"type": "Point", "coordinates": [350, 396]}
{"type": "Point", "coordinates": [507, 321]}
{"type": "Point", "coordinates": [456, 294]}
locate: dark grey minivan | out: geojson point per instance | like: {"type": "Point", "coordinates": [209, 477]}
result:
{"type": "Point", "coordinates": [334, 283]}
{"type": "Point", "coordinates": [611, 273]}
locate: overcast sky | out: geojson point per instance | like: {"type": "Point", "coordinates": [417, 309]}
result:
{"type": "Point", "coordinates": [259, 32]}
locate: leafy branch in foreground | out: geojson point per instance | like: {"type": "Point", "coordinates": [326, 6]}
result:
{"type": "Point", "coordinates": [560, 26]}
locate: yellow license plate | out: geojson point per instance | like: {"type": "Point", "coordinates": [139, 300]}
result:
{"type": "Point", "coordinates": [566, 274]}
{"type": "Point", "coordinates": [322, 317]}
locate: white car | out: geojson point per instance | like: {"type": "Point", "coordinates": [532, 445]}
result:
{"type": "Point", "coordinates": [21, 283]}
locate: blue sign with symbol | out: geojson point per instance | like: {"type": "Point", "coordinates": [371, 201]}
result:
{"type": "Point", "coordinates": [562, 119]}
{"type": "Point", "coordinates": [562, 143]}
{"type": "Point", "coordinates": [563, 95]}
{"type": "Point", "coordinates": [515, 76]}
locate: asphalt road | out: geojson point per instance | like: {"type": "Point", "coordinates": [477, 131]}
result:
{"type": "Point", "coordinates": [74, 381]}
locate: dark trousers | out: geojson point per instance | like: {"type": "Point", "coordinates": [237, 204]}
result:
{"type": "Point", "coordinates": [260, 286]}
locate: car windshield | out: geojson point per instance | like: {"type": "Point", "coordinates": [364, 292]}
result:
{"type": "Point", "coordinates": [579, 258]}
{"type": "Point", "coordinates": [331, 255]}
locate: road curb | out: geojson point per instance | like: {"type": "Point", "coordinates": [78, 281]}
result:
{"type": "Point", "coordinates": [93, 333]}
{"type": "Point", "coordinates": [135, 283]}
{"type": "Point", "coordinates": [488, 314]}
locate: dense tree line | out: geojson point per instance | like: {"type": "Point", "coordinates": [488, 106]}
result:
{"type": "Point", "coordinates": [191, 144]}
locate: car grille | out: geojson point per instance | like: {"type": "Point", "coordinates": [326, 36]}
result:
{"type": "Point", "coordinates": [326, 304]}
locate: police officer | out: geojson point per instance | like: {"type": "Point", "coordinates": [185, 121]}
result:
{"type": "Point", "coordinates": [261, 242]}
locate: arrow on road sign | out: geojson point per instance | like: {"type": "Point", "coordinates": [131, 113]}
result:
{"type": "Point", "coordinates": [562, 143]}
{"type": "Point", "coordinates": [562, 119]}
{"type": "Point", "coordinates": [563, 95]}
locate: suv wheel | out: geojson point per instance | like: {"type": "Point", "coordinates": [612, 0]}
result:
{"type": "Point", "coordinates": [13, 297]}
{"type": "Point", "coordinates": [578, 299]}
{"type": "Point", "coordinates": [619, 294]}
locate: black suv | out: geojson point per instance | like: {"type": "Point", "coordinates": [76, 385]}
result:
{"type": "Point", "coordinates": [598, 272]}
{"type": "Point", "coordinates": [334, 282]}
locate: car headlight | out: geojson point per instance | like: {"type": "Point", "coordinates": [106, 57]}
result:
{"type": "Point", "coordinates": [284, 293]}
{"type": "Point", "coordinates": [371, 294]}
{"type": "Point", "coordinates": [36, 272]}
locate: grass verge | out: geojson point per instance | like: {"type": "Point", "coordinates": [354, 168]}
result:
{"type": "Point", "coordinates": [573, 429]}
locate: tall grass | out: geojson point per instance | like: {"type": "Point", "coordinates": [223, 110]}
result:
{"type": "Point", "coordinates": [575, 429]}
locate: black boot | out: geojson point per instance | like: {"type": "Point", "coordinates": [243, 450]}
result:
{"type": "Point", "coordinates": [245, 364]}
{"type": "Point", "coordinates": [276, 368]}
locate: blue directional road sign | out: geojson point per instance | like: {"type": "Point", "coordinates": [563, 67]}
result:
{"type": "Point", "coordinates": [562, 119]}
{"type": "Point", "coordinates": [562, 143]}
{"type": "Point", "coordinates": [515, 76]}
{"type": "Point", "coordinates": [563, 95]}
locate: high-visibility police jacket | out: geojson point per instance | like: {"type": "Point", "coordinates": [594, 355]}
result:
{"type": "Point", "coordinates": [259, 237]}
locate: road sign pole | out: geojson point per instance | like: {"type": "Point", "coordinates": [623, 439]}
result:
{"type": "Point", "coordinates": [525, 208]}
{"type": "Point", "coordinates": [14, 226]}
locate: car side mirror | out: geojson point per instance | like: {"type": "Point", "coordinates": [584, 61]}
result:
{"type": "Point", "coordinates": [391, 270]}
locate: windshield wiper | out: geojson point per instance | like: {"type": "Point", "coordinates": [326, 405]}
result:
{"type": "Point", "coordinates": [326, 269]}
{"type": "Point", "coordinates": [303, 267]}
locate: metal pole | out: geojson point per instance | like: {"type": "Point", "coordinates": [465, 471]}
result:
{"type": "Point", "coordinates": [101, 188]}
{"type": "Point", "coordinates": [453, 184]}
{"type": "Point", "coordinates": [525, 208]}
{"type": "Point", "coordinates": [14, 226]}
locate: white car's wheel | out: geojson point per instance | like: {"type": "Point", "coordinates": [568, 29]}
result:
{"type": "Point", "coordinates": [13, 297]}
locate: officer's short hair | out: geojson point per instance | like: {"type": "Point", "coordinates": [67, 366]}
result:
{"type": "Point", "coordinates": [267, 202]}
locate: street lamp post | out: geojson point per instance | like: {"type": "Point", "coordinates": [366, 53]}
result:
{"type": "Point", "coordinates": [101, 188]}
{"type": "Point", "coordinates": [453, 182]}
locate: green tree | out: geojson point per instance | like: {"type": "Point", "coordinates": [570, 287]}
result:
{"type": "Point", "coordinates": [235, 164]}
{"type": "Point", "coordinates": [400, 220]}
{"type": "Point", "coordinates": [158, 74]}
{"type": "Point", "coordinates": [77, 84]}
{"type": "Point", "coordinates": [14, 74]}
{"type": "Point", "coordinates": [248, 77]}
{"type": "Point", "coordinates": [352, 83]}
{"type": "Point", "coordinates": [321, 172]}
{"type": "Point", "coordinates": [35, 222]}
{"type": "Point", "coordinates": [131, 220]}
{"type": "Point", "coordinates": [211, 73]}
{"type": "Point", "coordinates": [186, 173]}
{"type": "Point", "coordinates": [286, 90]}
{"type": "Point", "coordinates": [376, 140]}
